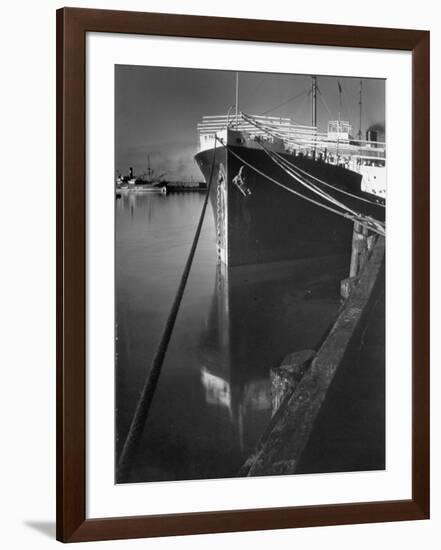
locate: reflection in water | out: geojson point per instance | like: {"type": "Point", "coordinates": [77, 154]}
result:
{"type": "Point", "coordinates": [213, 397]}
{"type": "Point", "coordinates": [224, 373]}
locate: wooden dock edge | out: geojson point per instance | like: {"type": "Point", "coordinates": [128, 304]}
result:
{"type": "Point", "coordinates": [280, 447]}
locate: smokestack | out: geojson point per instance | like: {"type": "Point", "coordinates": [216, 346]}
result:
{"type": "Point", "coordinates": [372, 135]}
{"type": "Point", "coordinates": [131, 172]}
{"type": "Point", "coordinates": [376, 132]}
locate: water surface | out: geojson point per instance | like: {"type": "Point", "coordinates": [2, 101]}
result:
{"type": "Point", "coordinates": [213, 397]}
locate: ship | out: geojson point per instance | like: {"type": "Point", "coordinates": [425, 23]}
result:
{"type": "Point", "coordinates": [148, 182]}
{"type": "Point", "coordinates": [283, 191]}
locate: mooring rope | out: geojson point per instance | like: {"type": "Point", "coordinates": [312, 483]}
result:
{"type": "Point", "coordinates": [280, 161]}
{"type": "Point", "coordinates": [312, 187]}
{"type": "Point", "coordinates": [290, 170]}
{"type": "Point", "coordinates": [146, 397]}
{"type": "Point", "coordinates": [250, 119]}
{"type": "Point", "coordinates": [365, 221]}
{"type": "Point", "coordinates": [309, 186]}
{"type": "Point", "coordinates": [326, 184]}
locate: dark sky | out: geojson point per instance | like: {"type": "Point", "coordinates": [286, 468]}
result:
{"type": "Point", "coordinates": [157, 109]}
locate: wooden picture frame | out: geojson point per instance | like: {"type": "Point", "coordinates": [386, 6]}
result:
{"type": "Point", "coordinates": [72, 26]}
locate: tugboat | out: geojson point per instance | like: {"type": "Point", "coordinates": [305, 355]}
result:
{"type": "Point", "coordinates": [148, 182]}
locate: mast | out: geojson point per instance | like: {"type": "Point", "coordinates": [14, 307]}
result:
{"type": "Point", "coordinates": [339, 117]}
{"type": "Point", "coordinates": [237, 97]}
{"type": "Point", "coordinates": [314, 111]}
{"type": "Point", "coordinates": [360, 103]}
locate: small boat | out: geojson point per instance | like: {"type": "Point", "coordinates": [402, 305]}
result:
{"type": "Point", "coordinates": [148, 182]}
{"type": "Point", "coordinates": [142, 186]}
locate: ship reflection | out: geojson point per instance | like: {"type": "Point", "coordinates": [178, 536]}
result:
{"type": "Point", "coordinates": [233, 378]}
{"type": "Point", "coordinates": [137, 202]}
{"type": "Point", "coordinates": [259, 313]}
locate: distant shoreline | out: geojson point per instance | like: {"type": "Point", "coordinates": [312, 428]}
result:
{"type": "Point", "coordinates": [169, 190]}
{"type": "Point", "coordinates": [184, 189]}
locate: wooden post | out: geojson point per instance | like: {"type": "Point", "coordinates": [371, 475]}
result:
{"type": "Point", "coordinates": [362, 244]}
{"type": "Point", "coordinates": [285, 377]}
{"type": "Point", "coordinates": [356, 245]}
{"type": "Point", "coordinates": [364, 253]}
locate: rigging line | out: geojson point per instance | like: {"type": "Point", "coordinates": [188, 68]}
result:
{"type": "Point", "coordinates": [255, 90]}
{"type": "Point", "coordinates": [274, 133]}
{"type": "Point", "coordinates": [329, 185]}
{"type": "Point", "coordinates": [315, 178]}
{"type": "Point", "coordinates": [277, 134]}
{"type": "Point", "coordinates": [331, 116]}
{"type": "Point", "coordinates": [314, 188]}
{"type": "Point", "coordinates": [285, 102]}
{"type": "Point", "coordinates": [351, 104]}
{"type": "Point", "coordinates": [280, 162]}
{"type": "Point", "coordinates": [349, 93]}
{"type": "Point", "coordinates": [311, 186]}
{"type": "Point", "coordinates": [150, 384]}
{"type": "Point", "coordinates": [277, 182]}
{"type": "Point", "coordinates": [320, 128]}
{"type": "Point", "coordinates": [363, 221]}
{"type": "Point", "coordinates": [347, 105]}
{"type": "Point", "coordinates": [299, 109]}
{"type": "Point", "coordinates": [325, 195]}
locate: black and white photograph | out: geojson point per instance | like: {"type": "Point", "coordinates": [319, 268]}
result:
{"type": "Point", "coordinates": [249, 266]}
{"type": "Point", "coordinates": [209, 337]}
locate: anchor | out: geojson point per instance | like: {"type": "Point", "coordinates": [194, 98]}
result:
{"type": "Point", "coordinates": [239, 182]}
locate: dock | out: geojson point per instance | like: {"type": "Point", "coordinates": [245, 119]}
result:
{"type": "Point", "coordinates": [310, 386]}
{"type": "Point", "coordinates": [186, 187]}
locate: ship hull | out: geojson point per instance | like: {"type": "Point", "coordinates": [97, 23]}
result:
{"type": "Point", "coordinates": [263, 222]}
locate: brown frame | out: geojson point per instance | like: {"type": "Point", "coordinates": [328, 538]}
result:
{"type": "Point", "coordinates": [72, 25]}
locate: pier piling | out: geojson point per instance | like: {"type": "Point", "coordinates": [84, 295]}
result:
{"type": "Point", "coordinates": [286, 376]}
{"type": "Point", "coordinates": [297, 401]}
{"type": "Point", "coordinates": [362, 244]}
